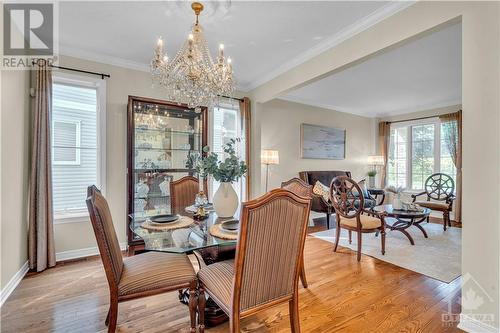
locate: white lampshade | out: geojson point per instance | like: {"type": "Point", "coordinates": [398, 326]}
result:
{"type": "Point", "coordinates": [376, 160]}
{"type": "Point", "coordinates": [269, 156]}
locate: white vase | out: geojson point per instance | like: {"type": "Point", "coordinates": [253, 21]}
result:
{"type": "Point", "coordinates": [397, 203]}
{"type": "Point", "coordinates": [225, 200]}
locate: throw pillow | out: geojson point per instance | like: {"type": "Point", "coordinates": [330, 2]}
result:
{"type": "Point", "coordinates": [323, 190]}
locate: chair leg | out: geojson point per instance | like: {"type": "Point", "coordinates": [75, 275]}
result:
{"type": "Point", "coordinates": [294, 314]}
{"type": "Point", "coordinates": [234, 324]}
{"type": "Point", "coordinates": [359, 245]}
{"type": "Point", "coordinates": [448, 218]}
{"type": "Point", "coordinates": [303, 274]}
{"type": "Point", "coordinates": [327, 221]}
{"type": "Point", "coordinates": [445, 221]}
{"type": "Point", "coordinates": [192, 306]}
{"type": "Point", "coordinates": [350, 237]}
{"type": "Point", "coordinates": [106, 322]}
{"type": "Point", "coordinates": [337, 237]}
{"type": "Point", "coordinates": [201, 307]}
{"type": "Point", "coordinates": [382, 233]}
{"type": "Point", "coordinates": [112, 316]}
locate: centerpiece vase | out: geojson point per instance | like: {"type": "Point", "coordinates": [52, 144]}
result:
{"type": "Point", "coordinates": [397, 202]}
{"type": "Point", "coordinates": [225, 200]}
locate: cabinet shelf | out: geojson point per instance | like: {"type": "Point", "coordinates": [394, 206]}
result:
{"type": "Point", "coordinates": [157, 131]}
{"type": "Point", "coordinates": [163, 149]}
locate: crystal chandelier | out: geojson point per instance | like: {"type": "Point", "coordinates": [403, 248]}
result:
{"type": "Point", "coordinates": [192, 77]}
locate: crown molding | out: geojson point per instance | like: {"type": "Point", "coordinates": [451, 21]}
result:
{"type": "Point", "coordinates": [102, 58]}
{"type": "Point", "coordinates": [346, 33]}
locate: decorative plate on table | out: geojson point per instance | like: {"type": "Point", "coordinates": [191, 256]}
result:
{"type": "Point", "coordinates": [163, 219]}
{"type": "Point", "coordinates": [230, 226]}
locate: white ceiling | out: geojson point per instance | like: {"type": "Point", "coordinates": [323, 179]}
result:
{"type": "Point", "coordinates": [264, 39]}
{"type": "Point", "coordinates": [421, 74]}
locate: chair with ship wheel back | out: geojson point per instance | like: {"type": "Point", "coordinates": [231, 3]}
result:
{"type": "Point", "coordinates": [439, 187]}
{"type": "Point", "coordinates": [139, 276]}
{"type": "Point", "coordinates": [276, 224]}
{"type": "Point", "coordinates": [349, 206]}
{"type": "Point", "coordinates": [301, 188]}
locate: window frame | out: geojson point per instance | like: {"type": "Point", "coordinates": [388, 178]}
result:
{"type": "Point", "coordinates": [409, 147]}
{"type": "Point", "coordinates": [100, 86]}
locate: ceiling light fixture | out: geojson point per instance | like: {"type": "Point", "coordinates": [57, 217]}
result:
{"type": "Point", "coordinates": [192, 77]}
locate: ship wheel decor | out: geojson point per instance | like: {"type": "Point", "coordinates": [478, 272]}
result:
{"type": "Point", "coordinates": [344, 192]}
{"type": "Point", "coordinates": [439, 186]}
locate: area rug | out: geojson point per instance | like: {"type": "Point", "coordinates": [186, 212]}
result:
{"type": "Point", "coordinates": [438, 256]}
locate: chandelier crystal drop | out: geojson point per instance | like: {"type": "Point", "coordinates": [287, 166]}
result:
{"type": "Point", "coordinates": [192, 77]}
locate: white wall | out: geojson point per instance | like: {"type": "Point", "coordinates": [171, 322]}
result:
{"type": "Point", "coordinates": [280, 130]}
{"type": "Point", "coordinates": [15, 124]}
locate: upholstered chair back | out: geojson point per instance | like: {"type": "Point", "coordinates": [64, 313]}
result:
{"type": "Point", "coordinates": [346, 196]}
{"type": "Point", "coordinates": [270, 247]}
{"type": "Point", "coordinates": [105, 234]}
{"type": "Point", "coordinates": [298, 186]}
{"type": "Point", "coordinates": [183, 192]}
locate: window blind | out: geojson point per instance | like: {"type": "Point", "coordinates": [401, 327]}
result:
{"type": "Point", "coordinates": [74, 150]}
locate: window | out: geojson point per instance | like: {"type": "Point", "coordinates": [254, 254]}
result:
{"type": "Point", "coordinates": [226, 125]}
{"type": "Point", "coordinates": [417, 149]}
{"type": "Point", "coordinates": [77, 143]}
{"type": "Point", "coordinates": [65, 142]}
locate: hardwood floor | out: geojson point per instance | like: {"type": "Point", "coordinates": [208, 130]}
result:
{"type": "Point", "coordinates": [343, 296]}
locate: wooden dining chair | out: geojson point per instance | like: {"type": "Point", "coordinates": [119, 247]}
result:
{"type": "Point", "coordinates": [183, 192]}
{"type": "Point", "coordinates": [301, 188]}
{"type": "Point", "coordinates": [139, 276]}
{"type": "Point", "coordinates": [276, 224]}
{"type": "Point", "coordinates": [348, 203]}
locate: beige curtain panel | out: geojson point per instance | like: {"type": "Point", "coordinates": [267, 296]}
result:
{"type": "Point", "coordinates": [245, 127]}
{"type": "Point", "coordinates": [41, 249]}
{"type": "Point", "coordinates": [384, 132]}
{"type": "Point", "coordinates": [453, 139]}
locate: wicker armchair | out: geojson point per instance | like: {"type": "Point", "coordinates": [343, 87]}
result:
{"type": "Point", "coordinates": [344, 193]}
{"type": "Point", "coordinates": [274, 223]}
{"type": "Point", "coordinates": [440, 188]}
{"type": "Point", "coordinates": [139, 276]}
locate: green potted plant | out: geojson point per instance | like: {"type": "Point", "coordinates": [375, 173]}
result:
{"type": "Point", "coordinates": [371, 178]}
{"type": "Point", "coordinates": [225, 171]}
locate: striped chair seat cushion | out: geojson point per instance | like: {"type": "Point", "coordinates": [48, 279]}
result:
{"type": "Point", "coordinates": [218, 281]}
{"type": "Point", "coordinates": [155, 270]}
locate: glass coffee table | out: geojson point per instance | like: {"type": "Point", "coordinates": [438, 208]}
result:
{"type": "Point", "coordinates": [401, 220]}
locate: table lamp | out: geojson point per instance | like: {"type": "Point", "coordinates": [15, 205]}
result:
{"type": "Point", "coordinates": [268, 157]}
{"type": "Point", "coordinates": [374, 161]}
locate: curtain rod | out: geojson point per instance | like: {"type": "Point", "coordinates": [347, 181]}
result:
{"type": "Point", "coordinates": [102, 75]}
{"type": "Point", "coordinates": [236, 99]}
{"type": "Point", "coordinates": [420, 118]}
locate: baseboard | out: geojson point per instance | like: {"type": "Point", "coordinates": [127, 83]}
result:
{"type": "Point", "coordinates": [12, 284]}
{"type": "Point", "coordinates": [82, 253]}
{"type": "Point", "coordinates": [472, 325]}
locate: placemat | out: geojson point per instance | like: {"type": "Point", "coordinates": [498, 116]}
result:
{"type": "Point", "coordinates": [182, 222]}
{"type": "Point", "coordinates": [216, 231]}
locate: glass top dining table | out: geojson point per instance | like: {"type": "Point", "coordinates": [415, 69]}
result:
{"type": "Point", "coordinates": [182, 240]}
